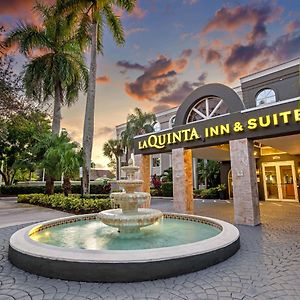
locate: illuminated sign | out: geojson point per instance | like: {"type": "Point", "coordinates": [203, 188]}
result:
{"type": "Point", "coordinates": [160, 141]}
{"type": "Point", "coordinates": [254, 123]}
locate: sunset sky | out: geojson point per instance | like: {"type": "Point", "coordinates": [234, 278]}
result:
{"type": "Point", "coordinates": [172, 47]}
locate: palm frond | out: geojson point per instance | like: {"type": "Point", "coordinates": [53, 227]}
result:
{"type": "Point", "coordinates": [128, 5]}
{"type": "Point", "coordinates": [114, 24]}
{"type": "Point", "coordinates": [28, 37]}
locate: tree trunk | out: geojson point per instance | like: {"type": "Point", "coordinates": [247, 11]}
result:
{"type": "Point", "coordinates": [88, 131]}
{"type": "Point", "coordinates": [57, 109]}
{"type": "Point", "coordinates": [4, 177]}
{"type": "Point", "coordinates": [49, 185]}
{"type": "Point", "coordinates": [67, 185]}
{"type": "Point", "coordinates": [117, 167]}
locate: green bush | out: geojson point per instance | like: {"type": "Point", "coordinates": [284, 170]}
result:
{"type": "Point", "coordinates": [197, 193]}
{"type": "Point", "coordinates": [34, 189]}
{"type": "Point", "coordinates": [73, 203]}
{"type": "Point", "coordinates": [211, 193]}
{"type": "Point", "coordinates": [167, 189]}
{"type": "Point", "coordinates": [155, 192]}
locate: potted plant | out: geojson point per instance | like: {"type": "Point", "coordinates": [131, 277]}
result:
{"type": "Point", "coordinates": [221, 188]}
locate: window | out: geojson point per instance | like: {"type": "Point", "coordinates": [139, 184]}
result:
{"type": "Point", "coordinates": [156, 126]}
{"type": "Point", "coordinates": [172, 122]}
{"type": "Point", "coordinates": [265, 96]}
{"type": "Point", "coordinates": [155, 162]}
{"type": "Point", "coordinates": [207, 108]}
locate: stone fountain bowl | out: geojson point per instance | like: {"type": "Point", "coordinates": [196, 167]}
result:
{"type": "Point", "coordinates": [130, 222]}
{"type": "Point", "coordinates": [137, 197]}
{"type": "Point", "coordinates": [129, 185]}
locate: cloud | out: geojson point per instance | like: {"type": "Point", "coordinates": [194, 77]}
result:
{"type": "Point", "coordinates": [210, 55]}
{"type": "Point", "coordinates": [158, 76]}
{"type": "Point", "coordinates": [232, 18]}
{"type": "Point", "coordinates": [177, 96]}
{"type": "Point", "coordinates": [253, 51]}
{"type": "Point", "coordinates": [138, 12]}
{"type": "Point", "coordinates": [105, 130]}
{"type": "Point", "coordinates": [102, 79]}
{"type": "Point", "coordinates": [292, 26]}
{"type": "Point", "coordinates": [134, 30]}
{"type": "Point", "coordinates": [190, 2]}
{"type": "Point", "coordinates": [126, 65]}
{"type": "Point", "coordinates": [22, 10]}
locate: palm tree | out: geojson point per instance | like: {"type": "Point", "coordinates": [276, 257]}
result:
{"type": "Point", "coordinates": [59, 70]}
{"type": "Point", "coordinates": [58, 155]}
{"type": "Point", "coordinates": [137, 123]}
{"type": "Point", "coordinates": [113, 149]}
{"type": "Point", "coordinates": [95, 16]}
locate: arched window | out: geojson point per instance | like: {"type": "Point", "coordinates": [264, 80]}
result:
{"type": "Point", "coordinates": [156, 126]}
{"type": "Point", "coordinates": [265, 96]}
{"type": "Point", "coordinates": [172, 121]}
{"type": "Point", "coordinates": [207, 108]}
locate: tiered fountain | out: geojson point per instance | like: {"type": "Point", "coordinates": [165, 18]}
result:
{"type": "Point", "coordinates": [129, 217]}
{"type": "Point", "coordinates": [124, 244]}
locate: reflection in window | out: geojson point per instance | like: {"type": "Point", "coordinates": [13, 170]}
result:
{"type": "Point", "coordinates": [207, 108]}
{"type": "Point", "coordinates": [155, 162]}
{"type": "Point", "coordinates": [265, 96]}
{"type": "Point", "coordinates": [156, 126]}
{"type": "Point", "coordinates": [172, 122]}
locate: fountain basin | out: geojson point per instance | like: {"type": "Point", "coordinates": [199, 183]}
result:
{"type": "Point", "coordinates": [130, 222]}
{"type": "Point", "coordinates": [104, 265]}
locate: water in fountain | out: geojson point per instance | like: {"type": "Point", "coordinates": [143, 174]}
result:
{"type": "Point", "coordinates": [130, 217]}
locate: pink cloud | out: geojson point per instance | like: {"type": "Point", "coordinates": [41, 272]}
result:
{"type": "Point", "coordinates": [158, 77]}
{"type": "Point", "coordinates": [102, 79]}
{"type": "Point", "coordinates": [292, 26]}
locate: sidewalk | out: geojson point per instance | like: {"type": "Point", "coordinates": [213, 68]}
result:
{"type": "Point", "coordinates": [13, 213]}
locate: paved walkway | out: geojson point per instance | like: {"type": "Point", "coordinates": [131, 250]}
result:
{"type": "Point", "coordinates": [13, 213]}
{"type": "Point", "coordinates": [266, 267]}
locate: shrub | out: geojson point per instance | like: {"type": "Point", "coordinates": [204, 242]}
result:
{"type": "Point", "coordinates": [197, 193]}
{"type": "Point", "coordinates": [211, 193]}
{"type": "Point", "coordinates": [35, 189]}
{"type": "Point", "coordinates": [167, 189]}
{"type": "Point", "coordinates": [73, 203]}
{"type": "Point", "coordinates": [155, 193]}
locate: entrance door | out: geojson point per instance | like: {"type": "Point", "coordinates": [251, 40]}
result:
{"type": "Point", "coordinates": [280, 181]}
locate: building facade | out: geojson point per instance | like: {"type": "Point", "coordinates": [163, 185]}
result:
{"type": "Point", "coordinates": [253, 129]}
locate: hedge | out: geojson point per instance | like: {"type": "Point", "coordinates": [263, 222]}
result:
{"type": "Point", "coordinates": [211, 193]}
{"type": "Point", "coordinates": [72, 203]}
{"type": "Point", "coordinates": [167, 189]}
{"type": "Point", "coordinates": [76, 189]}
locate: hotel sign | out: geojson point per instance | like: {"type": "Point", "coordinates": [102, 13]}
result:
{"type": "Point", "coordinates": [261, 123]}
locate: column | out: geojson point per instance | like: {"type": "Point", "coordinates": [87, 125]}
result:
{"type": "Point", "coordinates": [195, 173]}
{"type": "Point", "coordinates": [143, 161]}
{"type": "Point", "coordinates": [182, 180]}
{"type": "Point", "coordinates": [245, 192]}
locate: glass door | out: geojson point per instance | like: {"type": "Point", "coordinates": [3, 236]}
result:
{"type": "Point", "coordinates": [280, 181]}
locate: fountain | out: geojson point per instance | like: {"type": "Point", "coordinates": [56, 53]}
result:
{"type": "Point", "coordinates": [125, 244]}
{"type": "Point", "coordinates": [129, 217]}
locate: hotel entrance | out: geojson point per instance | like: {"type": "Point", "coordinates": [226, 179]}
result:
{"type": "Point", "coordinates": [279, 179]}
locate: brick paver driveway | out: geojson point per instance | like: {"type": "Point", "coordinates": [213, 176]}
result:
{"type": "Point", "coordinates": [266, 267]}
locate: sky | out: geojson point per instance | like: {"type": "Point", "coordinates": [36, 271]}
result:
{"type": "Point", "coordinates": [172, 47]}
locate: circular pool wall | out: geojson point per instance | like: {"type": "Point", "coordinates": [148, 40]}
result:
{"type": "Point", "coordinates": [121, 265]}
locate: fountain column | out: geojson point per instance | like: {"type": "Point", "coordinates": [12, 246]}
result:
{"type": "Point", "coordinates": [182, 165]}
